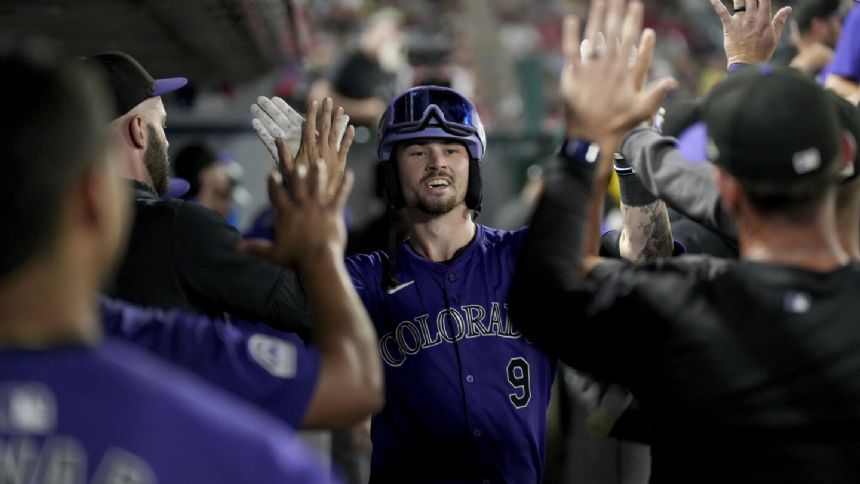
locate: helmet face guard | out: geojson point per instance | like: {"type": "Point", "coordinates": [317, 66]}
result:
{"type": "Point", "coordinates": [431, 112]}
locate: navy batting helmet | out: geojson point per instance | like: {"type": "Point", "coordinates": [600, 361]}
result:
{"type": "Point", "coordinates": [431, 112]}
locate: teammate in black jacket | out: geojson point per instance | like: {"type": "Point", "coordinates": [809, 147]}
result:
{"type": "Point", "coordinates": [750, 369]}
{"type": "Point", "coordinates": [182, 255]}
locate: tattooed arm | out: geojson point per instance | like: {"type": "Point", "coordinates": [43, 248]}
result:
{"type": "Point", "coordinates": [645, 231]}
{"type": "Point", "coordinates": [645, 234]}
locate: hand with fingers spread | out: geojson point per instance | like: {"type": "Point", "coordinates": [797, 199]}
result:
{"type": "Point", "coordinates": [325, 145]}
{"type": "Point", "coordinates": [750, 34]}
{"type": "Point", "coordinates": [274, 118]}
{"type": "Point", "coordinates": [308, 220]}
{"type": "Point", "coordinates": [604, 97]}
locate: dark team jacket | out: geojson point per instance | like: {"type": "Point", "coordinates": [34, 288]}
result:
{"type": "Point", "coordinates": [749, 372]}
{"type": "Point", "coordinates": [182, 255]}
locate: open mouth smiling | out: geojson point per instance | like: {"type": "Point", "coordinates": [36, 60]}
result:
{"type": "Point", "coordinates": [438, 183]}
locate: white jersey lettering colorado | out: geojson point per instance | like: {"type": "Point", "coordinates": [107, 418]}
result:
{"type": "Point", "coordinates": [466, 394]}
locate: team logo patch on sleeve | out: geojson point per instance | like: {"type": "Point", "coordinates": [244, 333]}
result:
{"type": "Point", "coordinates": [27, 408]}
{"type": "Point", "coordinates": [277, 356]}
{"type": "Point", "coordinates": [797, 302]}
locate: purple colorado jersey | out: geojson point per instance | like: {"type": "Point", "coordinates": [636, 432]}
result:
{"type": "Point", "coordinates": [111, 414]}
{"type": "Point", "coordinates": [466, 394]}
{"type": "Point", "coordinates": [273, 370]}
{"type": "Point", "coordinates": [846, 59]}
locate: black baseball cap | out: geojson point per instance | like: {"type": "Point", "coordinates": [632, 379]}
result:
{"type": "Point", "coordinates": [772, 124]}
{"type": "Point", "coordinates": [128, 81]}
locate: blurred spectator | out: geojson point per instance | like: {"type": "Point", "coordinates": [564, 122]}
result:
{"type": "Point", "coordinates": [210, 182]}
{"type": "Point", "coordinates": [364, 79]}
{"type": "Point", "coordinates": [815, 30]}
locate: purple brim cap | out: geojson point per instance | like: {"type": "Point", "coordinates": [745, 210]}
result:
{"type": "Point", "coordinates": [164, 86]}
{"type": "Point", "coordinates": [178, 187]}
{"type": "Point", "coordinates": [693, 142]}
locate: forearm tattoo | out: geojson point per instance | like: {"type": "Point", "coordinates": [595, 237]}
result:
{"type": "Point", "coordinates": [645, 234]}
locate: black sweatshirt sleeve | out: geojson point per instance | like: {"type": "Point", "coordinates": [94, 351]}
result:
{"type": "Point", "coordinates": [573, 318]}
{"type": "Point", "coordinates": [547, 282]}
{"type": "Point", "coordinates": [219, 277]}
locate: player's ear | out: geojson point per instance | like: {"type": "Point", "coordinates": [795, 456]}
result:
{"type": "Point", "coordinates": [135, 127]}
{"type": "Point", "coordinates": [728, 188]}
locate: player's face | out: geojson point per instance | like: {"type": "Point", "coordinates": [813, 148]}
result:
{"type": "Point", "coordinates": [434, 175]}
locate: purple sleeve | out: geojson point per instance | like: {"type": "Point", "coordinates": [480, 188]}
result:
{"type": "Point", "coordinates": [273, 371]}
{"type": "Point", "coordinates": [846, 61]}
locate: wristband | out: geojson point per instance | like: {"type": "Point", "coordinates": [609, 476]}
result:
{"type": "Point", "coordinates": [633, 192]}
{"type": "Point", "coordinates": [736, 66]}
{"type": "Point", "coordinates": [622, 168]}
{"type": "Point", "coordinates": [580, 151]}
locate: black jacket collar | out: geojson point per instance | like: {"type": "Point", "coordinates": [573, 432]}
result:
{"type": "Point", "coordinates": [143, 191]}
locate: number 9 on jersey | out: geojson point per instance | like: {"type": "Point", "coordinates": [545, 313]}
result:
{"type": "Point", "coordinates": [518, 377]}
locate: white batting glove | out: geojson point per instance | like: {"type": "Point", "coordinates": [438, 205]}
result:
{"type": "Point", "coordinates": [274, 118]}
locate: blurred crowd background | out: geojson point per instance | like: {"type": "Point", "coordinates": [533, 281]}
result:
{"type": "Point", "coordinates": [504, 54]}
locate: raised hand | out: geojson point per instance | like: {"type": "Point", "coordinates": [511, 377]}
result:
{"type": "Point", "coordinates": [325, 145]}
{"type": "Point", "coordinates": [274, 118]}
{"type": "Point", "coordinates": [750, 34]}
{"type": "Point", "coordinates": [603, 94]}
{"type": "Point", "coordinates": [308, 220]}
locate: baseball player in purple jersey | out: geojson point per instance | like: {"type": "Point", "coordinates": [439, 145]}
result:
{"type": "Point", "coordinates": [270, 369]}
{"type": "Point", "coordinates": [76, 407]}
{"type": "Point", "coordinates": [846, 60]}
{"type": "Point", "coordinates": [111, 414]}
{"type": "Point", "coordinates": [466, 393]}
{"type": "Point", "coordinates": [843, 73]}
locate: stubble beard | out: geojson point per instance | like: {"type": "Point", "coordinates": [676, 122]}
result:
{"type": "Point", "coordinates": [157, 163]}
{"type": "Point", "coordinates": [436, 207]}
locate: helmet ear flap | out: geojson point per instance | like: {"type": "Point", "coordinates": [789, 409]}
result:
{"type": "Point", "coordinates": [474, 193]}
{"type": "Point", "coordinates": [391, 185]}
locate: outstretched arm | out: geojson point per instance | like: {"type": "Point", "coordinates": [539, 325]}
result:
{"type": "Point", "coordinates": [645, 230]}
{"type": "Point", "coordinates": [750, 34]}
{"type": "Point", "coordinates": [602, 103]}
{"type": "Point", "coordinates": [260, 365]}
{"type": "Point", "coordinates": [310, 236]}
